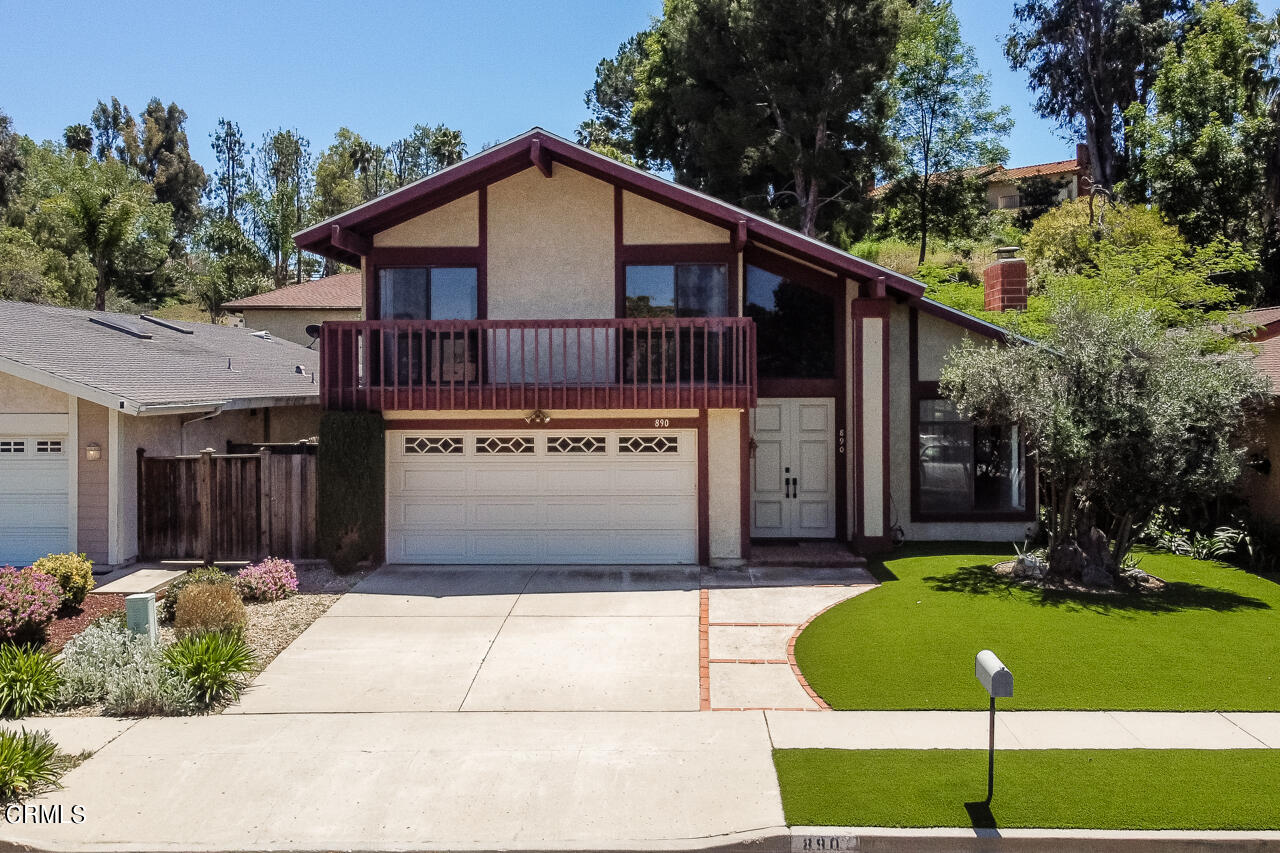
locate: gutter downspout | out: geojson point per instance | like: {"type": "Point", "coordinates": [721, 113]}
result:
{"type": "Point", "coordinates": [182, 435]}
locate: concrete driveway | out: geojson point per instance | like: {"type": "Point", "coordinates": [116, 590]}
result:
{"type": "Point", "coordinates": [411, 638]}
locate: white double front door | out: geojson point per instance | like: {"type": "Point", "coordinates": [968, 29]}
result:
{"type": "Point", "coordinates": [793, 488]}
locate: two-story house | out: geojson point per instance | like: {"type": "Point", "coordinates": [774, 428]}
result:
{"type": "Point", "coordinates": [581, 362]}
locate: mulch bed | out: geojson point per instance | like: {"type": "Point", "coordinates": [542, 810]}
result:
{"type": "Point", "coordinates": [73, 620]}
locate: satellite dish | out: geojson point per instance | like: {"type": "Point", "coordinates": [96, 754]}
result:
{"type": "Point", "coordinates": [313, 330]}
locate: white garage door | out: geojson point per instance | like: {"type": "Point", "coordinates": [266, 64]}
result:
{"type": "Point", "coordinates": [555, 496]}
{"type": "Point", "coordinates": [33, 498]}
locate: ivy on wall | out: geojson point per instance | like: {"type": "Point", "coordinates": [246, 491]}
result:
{"type": "Point", "coordinates": [351, 482]}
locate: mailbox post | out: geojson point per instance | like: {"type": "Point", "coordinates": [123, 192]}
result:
{"type": "Point", "coordinates": [997, 680]}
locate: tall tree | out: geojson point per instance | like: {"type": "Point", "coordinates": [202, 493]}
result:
{"type": "Point", "coordinates": [1089, 61]}
{"type": "Point", "coordinates": [944, 122]}
{"type": "Point", "coordinates": [776, 105]}
{"type": "Point", "coordinates": [116, 133]}
{"type": "Point", "coordinates": [107, 210]}
{"type": "Point", "coordinates": [233, 179]}
{"type": "Point", "coordinates": [282, 168]}
{"type": "Point", "coordinates": [79, 137]}
{"type": "Point", "coordinates": [167, 163]}
{"type": "Point", "coordinates": [12, 163]}
{"type": "Point", "coordinates": [610, 100]}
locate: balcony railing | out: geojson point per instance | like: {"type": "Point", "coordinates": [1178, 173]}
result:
{"type": "Point", "coordinates": [638, 363]}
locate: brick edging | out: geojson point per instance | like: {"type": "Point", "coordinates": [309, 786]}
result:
{"type": "Point", "coordinates": [795, 668]}
{"type": "Point", "coordinates": [704, 650]}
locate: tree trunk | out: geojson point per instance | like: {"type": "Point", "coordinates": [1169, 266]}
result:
{"type": "Point", "coordinates": [924, 218]}
{"type": "Point", "coordinates": [100, 288]}
{"type": "Point", "coordinates": [1082, 553]}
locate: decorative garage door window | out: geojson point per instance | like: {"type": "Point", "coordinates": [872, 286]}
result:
{"type": "Point", "coordinates": [419, 444]}
{"type": "Point", "coordinates": [7, 446]}
{"type": "Point", "coordinates": [648, 444]}
{"type": "Point", "coordinates": [504, 444]}
{"type": "Point", "coordinates": [576, 444]}
{"type": "Point", "coordinates": [48, 446]}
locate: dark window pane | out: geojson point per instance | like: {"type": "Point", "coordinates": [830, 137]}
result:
{"type": "Point", "coordinates": [795, 327]}
{"type": "Point", "coordinates": [404, 294]}
{"type": "Point", "coordinates": [967, 468]}
{"type": "Point", "coordinates": [701, 290]}
{"type": "Point", "coordinates": [651, 291]}
{"type": "Point", "coordinates": [453, 293]}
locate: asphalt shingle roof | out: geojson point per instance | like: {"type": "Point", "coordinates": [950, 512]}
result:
{"type": "Point", "coordinates": [344, 290]}
{"type": "Point", "coordinates": [168, 368]}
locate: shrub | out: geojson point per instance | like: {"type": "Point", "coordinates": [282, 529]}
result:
{"type": "Point", "coordinates": [207, 575]}
{"type": "Point", "coordinates": [73, 572]}
{"type": "Point", "coordinates": [215, 665]}
{"type": "Point", "coordinates": [28, 681]}
{"type": "Point", "coordinates": [208, 607]}
{"type": "Point", "coordinates": [28, 602]}
{"type": "Point", "coordinates": [108, 663]}
{"type": "Point", "coordinates": [270, 580]}
{"type": "Point", "coordinates": [29, 762]}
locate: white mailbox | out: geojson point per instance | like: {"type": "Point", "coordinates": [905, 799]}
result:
{"type": "Point", "coordinates": [994, 675]}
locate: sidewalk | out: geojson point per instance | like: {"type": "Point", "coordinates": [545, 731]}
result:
{"type": "Point", "coordinates": [1023, 730]}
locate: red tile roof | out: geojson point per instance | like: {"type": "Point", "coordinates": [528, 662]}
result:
{"type": "Point", "coordinates": [1062, 167]}
{"type": "Point", "coordinates": [1262, 316]}
{"type": "Point", "coordinates": [335, 291]}
{"type": "Point", "coordinates": [1267, 361]}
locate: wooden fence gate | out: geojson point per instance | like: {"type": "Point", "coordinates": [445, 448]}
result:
{"type": "Point", "coordinates": [233, 506]}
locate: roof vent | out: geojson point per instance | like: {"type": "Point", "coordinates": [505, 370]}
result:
{"type": "Point", "coordinates": [165, 324]}
{"type": "Point", "coordinates": [109, 322]}
{"type": "Point", "coordinates": [264, 335]}
{"type": "Point", "coordinates": [299, 369]}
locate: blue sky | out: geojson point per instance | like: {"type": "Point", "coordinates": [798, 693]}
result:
{"type": "Point", "coordinates": [492, 69]}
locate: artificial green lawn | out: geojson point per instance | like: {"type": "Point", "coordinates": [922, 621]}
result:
{"type": "Point", "coordinates": [1209, 641]}
{"type": "Point", "coordinates": [1082, 789]}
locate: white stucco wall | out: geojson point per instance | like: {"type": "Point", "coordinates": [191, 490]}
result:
{"type": "Point", "coordinates": [454, 224]}
{"type": "Point", "coordinates": [291, 323]}
{"type": "Point", "coordinates": [724, 486]}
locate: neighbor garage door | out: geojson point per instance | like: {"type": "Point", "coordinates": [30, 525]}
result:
{"type": "Point", "coordinates": [33, 498]}
{"type": "Point", "coordinates": [569, 496]}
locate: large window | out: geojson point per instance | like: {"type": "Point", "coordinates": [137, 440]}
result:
{"type": "Point", "coordinates": [677, 290]}
{"type": "Point", "coordinates": [796, 327]}
{"type": "Point", "coordinates": [428, 293]}
{"type": "Point", "coordinates": [965, 468]}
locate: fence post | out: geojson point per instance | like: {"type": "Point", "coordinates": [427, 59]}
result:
{"type": "Point", "coordinates": [204, 488]}
{"type": "Point", "coordinates": [264, 502]}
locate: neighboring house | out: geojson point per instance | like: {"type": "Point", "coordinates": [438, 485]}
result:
{"type": "Point", "coordinates": [580, 362]}
{"type": "Point", "coordinates": [82, 391]}
{"type": "Point", "coordinates": [287, 311]}
{"type": "Point", "coordinates": [1005, 185]}
{"type": "Point", "coordinates": [1260, 483]}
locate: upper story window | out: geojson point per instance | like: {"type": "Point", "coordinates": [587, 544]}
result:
{"type": "Point", "coordinates": [796, 327]}
{"type": "Point", "coordinates": [678, 290]}
{"type": "Point", "coordinates": [428, 293]}
{"type": "Point", "coordinates": [964, 468]}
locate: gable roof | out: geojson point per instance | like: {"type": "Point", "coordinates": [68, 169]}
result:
{"type": "Point", "coordinates": [1264, 317]}
{"type": "Point", "coordinates": [1266, 341]}
{"type": "Point", "coordinates": [348, 235]}
{"type": "Point", "coordinates": [141, 365]}
{"type": "Point", "coordinates": [1018, 173]}
{"type": "Point", "coordinates": [341, 291]}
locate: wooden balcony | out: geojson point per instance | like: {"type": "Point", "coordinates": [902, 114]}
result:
{"type": "Point", "coordinates": [640, 363]}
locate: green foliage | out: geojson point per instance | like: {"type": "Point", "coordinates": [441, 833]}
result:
{"type": "Point", "coordinates": [1122, 416]}
{"type": "Point", "coordinates": [215, 664]}
{"type": "Point", "coordinates": [775, 105]}
{"type": "Point", "coordinates": [73, 572]}
{"type": "Point", "coordinates": [349, 513]}
{"type": "Point", "coordinates": [944, 124]}
{"type": "Point", "coordinates": [107, 663]}
{"type": "Point", "coordinates": [12, 163]}
{"type": "Point", "coordinates": [206, 607]}
{"type": "Point", "coordinates": [610, 131]}
{"type": "Point", "coordinates": [1089, 62]}
{"type": "Point", "coordinates": [29, 763]}
{"type": "Point", "coordinates": [209, 575]}
{"type": "Point", "coordinates": [1128, 257]}
{"type": "Point", "coordinates": [166, 162]}
{"type": "Point", "coordinates": [29, 681]}
{"type": "Point", "coordinates": [1199, 145]}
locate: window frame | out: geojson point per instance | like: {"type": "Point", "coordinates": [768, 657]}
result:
{"type": "Point", "coordinates": [378, 278]}
{"type": "Point", "coordinates": [675, 284]}
{"type": "Point", "coordinates": [673, 254]}
{"type": "Point", "coordinates": [424, 258]}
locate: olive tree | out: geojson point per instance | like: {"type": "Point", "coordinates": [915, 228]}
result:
{"type": "Point", "coordinates": [1121, 416]}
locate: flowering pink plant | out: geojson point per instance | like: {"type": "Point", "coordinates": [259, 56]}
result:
{"type": "Point", "coordinates": [270, 580]}
{"type": "Point", "coordinates": [28, 602]}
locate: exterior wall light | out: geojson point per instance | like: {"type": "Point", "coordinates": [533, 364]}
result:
{"type": "Point", "coordinates": [93, 451]}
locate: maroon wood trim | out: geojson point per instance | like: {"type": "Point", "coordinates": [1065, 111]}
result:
{"type": "Point", "coordinates": [744, 481]}
{"type": "Point", "coordinates": [859, 475]}
{"type": "Point", "coordinates": [482, 270]}
{"type": "Point", "coordinates": [372, 300]}
{"type": "Point", "coordinates": [513, 156]}
{"type": "Point", "coordinates": [619, 268]}
{"type": "Point", "coordinates": [675, 253]}
{"type": "Point", "coordinates": [800, 387]}
{"type": "Point", "coordinates": [924, 389]}
{"type": "Point", "coordinates": [963, 320]}
{"type": "Point", "coordinates": [704, 499]}
{"type": "Point", "coordinates": [871, 309]}
{"type": "Point", "coordinates": [739, 238]}
{"type": "Point", "coordinates": [427, 256]}
{"type": "Point", "coordinates": [349, 241]}
{"type": "Point", "coordinates": [886, 399]}
{"type": "Point", "coordinates": [514, 423]}
{"type": "Point", "coordinates": [539, 157]}
{"type": "Point", "coordinates": [841, 438]}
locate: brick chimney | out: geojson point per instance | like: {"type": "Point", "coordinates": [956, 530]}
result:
{"type": "Point", "coordinates": [1005, 282]}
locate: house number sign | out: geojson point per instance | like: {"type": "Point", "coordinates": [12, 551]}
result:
{"type": "Point", "coordinates": [840, 441]}
{"type": "Point", "coordinates": [662, 422]}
